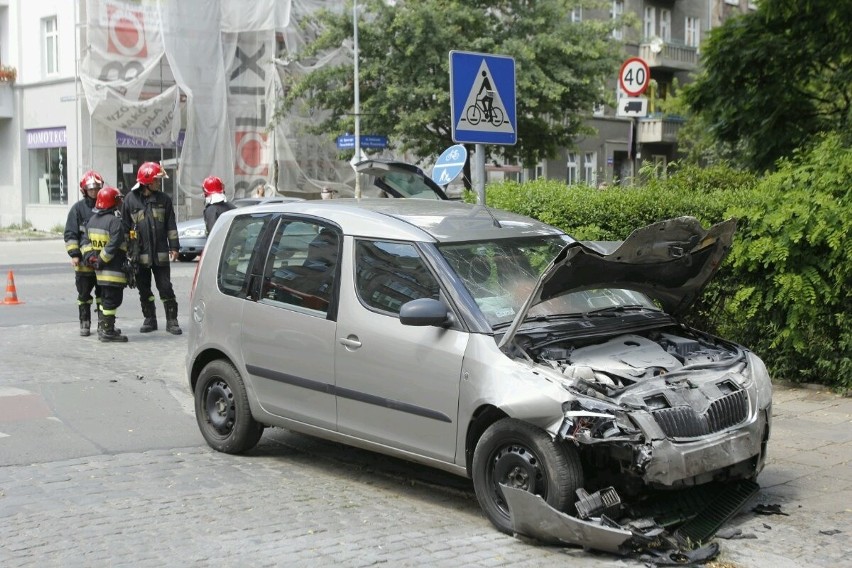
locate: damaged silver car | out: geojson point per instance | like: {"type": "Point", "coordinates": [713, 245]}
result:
{"type": "Point", "coordinates": [479, 342]}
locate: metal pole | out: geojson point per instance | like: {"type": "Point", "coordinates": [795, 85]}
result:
{"type": "Point", "coordinates": [357, 102]}
{"type": "Point", "coordinates": [479, 172]}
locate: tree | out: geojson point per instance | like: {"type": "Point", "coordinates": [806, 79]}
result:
{"type": "Point", "coordinates": [775, 78]}
{"type": "Point", "coordinates": [561, 70]}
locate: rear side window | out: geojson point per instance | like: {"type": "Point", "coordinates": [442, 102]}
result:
{"type": "Point", "coordinates": [239, 252]}
{"type": "Point", "coordinates": [389, 274]}
{"type": "Point", "coordinates": [302, 265]}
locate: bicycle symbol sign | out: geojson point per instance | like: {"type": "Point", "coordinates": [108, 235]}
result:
{"type": "Point", "coordinates": [482, 98]}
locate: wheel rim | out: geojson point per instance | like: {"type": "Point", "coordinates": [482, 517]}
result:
{"type": "Point", "coordinates": [518, 467]}
{"type": "Point", "coordinates": [219, 405]}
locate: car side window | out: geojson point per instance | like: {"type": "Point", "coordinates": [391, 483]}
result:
{"type": "Point", "coordinates": [389, 274]}
{"type": "Point", "coordinates": [238, 253]}
{"type": "Point", "coordinates": [302, 265]}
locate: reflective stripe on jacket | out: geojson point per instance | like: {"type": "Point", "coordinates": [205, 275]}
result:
{"type": "Point", "coordinates": [153, 218]}
{"type": "Point", "coordinates": [105, 234]}
{"type": "Point", "coordinates": [75, 225]}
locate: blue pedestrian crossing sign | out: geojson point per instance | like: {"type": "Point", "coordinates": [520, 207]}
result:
{"type": "Point", "coordinates": [449, 165]}
{"type": "Point", "coordinates": [482, 98]}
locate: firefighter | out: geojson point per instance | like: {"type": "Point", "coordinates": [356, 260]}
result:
{"type": "Point", "coordinates": [149, 219]}
{"type": "Point", "coordinates": [104, 247]}
{"type": "Point", "coordinates": [215, 201]}
{"type": "Point", "coordinates": [84, 275]}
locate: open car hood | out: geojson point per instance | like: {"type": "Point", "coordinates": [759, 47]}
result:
{"type": "Point", "coordinates": [400, 179]}
{"type": "Point", "coordinates": [670, 261]}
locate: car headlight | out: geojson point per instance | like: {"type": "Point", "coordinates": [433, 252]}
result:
{"type": "Point", "coordinates": [194, 233]}
{"type": "Point", "coordinates": [760, 377]}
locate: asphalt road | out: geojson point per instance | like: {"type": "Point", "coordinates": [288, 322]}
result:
{"type": "Point", "coordinates": [101, 464]}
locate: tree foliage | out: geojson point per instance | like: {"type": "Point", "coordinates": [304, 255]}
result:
{"type": "Point", "coordinates": [561, 69]}
{"type": "Point", "coordinates": [774, 78]}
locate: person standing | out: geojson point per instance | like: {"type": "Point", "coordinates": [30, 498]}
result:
{"type": "Point", "coordinates": [215, 201]}
{"type": "Point", "coordinates": [104, 248]}
{"type": "Point", "coordinates": [84, 275]}
{"type": "Point", "coordinates": [149, 218]}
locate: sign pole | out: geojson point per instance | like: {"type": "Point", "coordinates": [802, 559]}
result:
{"type": "Point", "coordinates": [357, 101]}
{"type": "Point", "coordinates": [479, 172]}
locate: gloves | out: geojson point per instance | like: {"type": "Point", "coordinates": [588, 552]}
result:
{"type": "Point", "coordinates": [94, 260]}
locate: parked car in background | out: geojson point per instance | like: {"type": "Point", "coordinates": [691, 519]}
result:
{"type": "Point", "coordinates": [477, 341]}
{"type": "Point", "coordinates": [192, 233]}
{"type": "Point", "coordinates": [398, 179]}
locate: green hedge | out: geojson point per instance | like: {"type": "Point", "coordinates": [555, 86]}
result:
{"type": "Point", "coordinates": [784, 290]}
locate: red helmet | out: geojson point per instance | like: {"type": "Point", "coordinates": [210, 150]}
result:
{"type": "Point", "coordinates": [148, 172]}
{"type": "Point", "coordinates": [91, 180]}
{"type": "Point", "coordinates": [211, 185]}
{"type": "Point", "coordinates": [108, 198]}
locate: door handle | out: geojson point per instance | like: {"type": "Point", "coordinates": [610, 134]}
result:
{"type": "Point", "coordinates": [350, 342]}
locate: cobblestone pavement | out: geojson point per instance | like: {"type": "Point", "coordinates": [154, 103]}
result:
{"type": "Point", "coordinates": [299, 501]}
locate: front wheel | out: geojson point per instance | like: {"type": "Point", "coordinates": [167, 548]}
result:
{"type": "Point", "coordinates": [189, 257]}
{"type": "Point", "coordinates": [222, 409]}
{"type": "Point", "coordinates": [518, 454]}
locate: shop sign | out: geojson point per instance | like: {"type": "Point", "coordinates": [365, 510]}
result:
{"type": "Point", "coordinates": [47, 138]}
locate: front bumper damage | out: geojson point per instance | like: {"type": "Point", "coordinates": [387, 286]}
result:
{"type": "Point", "coordinates": [609, 526]}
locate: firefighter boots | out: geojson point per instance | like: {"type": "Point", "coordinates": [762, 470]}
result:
{"type": "Point", "coordinates": [172, 325]}
{"type": "Point", "coordinates": [149, 311]}
{"type": "Point", "coordinates": [109, 334]}
{"type": "Point", "coordinates": [85, 320]}
{"type": "Point", "coordinates": [101, 320]}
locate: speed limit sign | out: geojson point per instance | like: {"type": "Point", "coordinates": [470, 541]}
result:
{"type": "Point", "coordinates": [634, 76]}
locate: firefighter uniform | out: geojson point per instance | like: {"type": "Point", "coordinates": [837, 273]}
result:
{"type": "Point", "coordinates": [104, 247]}
{"type": "Point", "coordinates": [151, 219]}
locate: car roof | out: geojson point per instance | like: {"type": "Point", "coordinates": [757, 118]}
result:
{"type": "Point", "coordinates": [417, 219]}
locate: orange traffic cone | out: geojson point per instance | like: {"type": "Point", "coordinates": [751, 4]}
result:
{"type": "Point", "coordinates": [11, 293]}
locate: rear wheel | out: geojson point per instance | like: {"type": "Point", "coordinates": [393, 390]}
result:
{"type": "Point", "coordinates": [186, 257]}
{"type": "Point", "coordinates": [222, 409]}
{"type": "Point", "coordinates": [517, 454]}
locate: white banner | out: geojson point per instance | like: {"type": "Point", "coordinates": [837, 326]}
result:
{"type": "Point", "coordinates": [156, 120]}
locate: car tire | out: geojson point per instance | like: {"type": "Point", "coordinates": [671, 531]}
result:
{"type": "Point", "coordinates": [222, 409]}
{"type": "Point", "coordinates": [186, 257]}
{"type": "Point", "coordinates": [520, 455]}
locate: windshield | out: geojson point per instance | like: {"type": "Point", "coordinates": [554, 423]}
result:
{"type": "Point", "coordinates": [409, 185]}
{"type": "Point", "coordinates": [500, 275]}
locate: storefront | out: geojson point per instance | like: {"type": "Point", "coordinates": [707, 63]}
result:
{"type": "Point", "coordinates": [131, 152]}
{"type": "Point", "coordinates": [48, 159]}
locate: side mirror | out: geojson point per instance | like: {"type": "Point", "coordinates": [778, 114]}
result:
{"type": "Point", "coordinates": [425, 312]}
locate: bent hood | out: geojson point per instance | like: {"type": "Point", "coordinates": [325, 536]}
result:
{"type": "Point", "coordinates": [670, 261]}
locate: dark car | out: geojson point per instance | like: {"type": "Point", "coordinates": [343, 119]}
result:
{"type": "Point", "coordinates": [399, 179]}
{"type": "Point", "coordinates": [192, 233]}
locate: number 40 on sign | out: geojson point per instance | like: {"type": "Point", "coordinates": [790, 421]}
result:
{"type": "Point", "coordinates": [634, 76]}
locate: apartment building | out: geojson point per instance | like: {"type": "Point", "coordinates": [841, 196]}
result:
{"type": "Point", "coordinates": [668, 40]}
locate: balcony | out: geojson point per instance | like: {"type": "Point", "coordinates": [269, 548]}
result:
{"type": "Point", "coordinates": [658, 130]}
{"type": "Point", "coordinates": [669, 56]}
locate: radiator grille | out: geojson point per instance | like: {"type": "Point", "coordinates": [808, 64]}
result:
{"type": "Point", "coordinates": [684, 422]}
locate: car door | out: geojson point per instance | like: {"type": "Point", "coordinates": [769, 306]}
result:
{"type": "Point", "coordinates": [397, 385]}
{"type": "Point", "coordinates": [288, 334]}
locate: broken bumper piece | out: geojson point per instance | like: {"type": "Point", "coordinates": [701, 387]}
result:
{"type": "Point", "coordinates": [646, 541]}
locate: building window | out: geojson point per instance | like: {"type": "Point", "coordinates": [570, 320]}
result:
{"type": "Point", "coordinates": [617, 13]}
{"type": "Point", "coordinates": [50, 33]}
{"type": "Point", "coordinates": [650, 22]}
{"type": "Point", "coordinates": [571, 177]}
{"type": "Point", "coordinates": [590, 168]}
{"type": "Point", "coordinates": [666, 25]}
{"type": "Point", "coordinates": [577, 14]}
{"type": "Point", "coordinates": [48, 158]}
{"type": "Point", "coordinates": [691, 28]}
